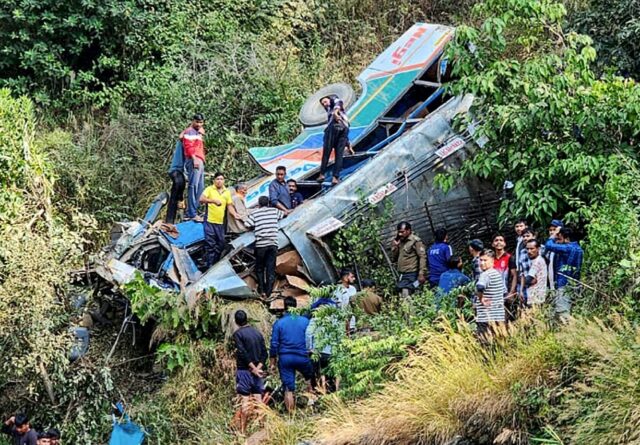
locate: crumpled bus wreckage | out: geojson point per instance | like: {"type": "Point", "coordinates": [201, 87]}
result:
{"type": "Point", "coordinates": [401, 131]}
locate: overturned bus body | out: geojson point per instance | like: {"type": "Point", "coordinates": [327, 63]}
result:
{"type": "Point", "coordinates": [402, 134]}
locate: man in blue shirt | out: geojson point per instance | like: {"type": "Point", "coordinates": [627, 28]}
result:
{"type": "Point", "coordinates": [296, 196]}
{"type": "Point", "coordinates": [289, 351]}
{"type": "Point", "coordinates": [451, 279]}
{"type": "Point", "coordinates": [568, 261]}
{"type": "Point", "coordinates": [176, 173]}
{"type": "Point", "coordinates": [438, 256]}
{"type": "Point", "coordinates": [279, 196]}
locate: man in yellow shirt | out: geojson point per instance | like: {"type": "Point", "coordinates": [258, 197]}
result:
{"type": "Point", "coordinates": [217, 200]}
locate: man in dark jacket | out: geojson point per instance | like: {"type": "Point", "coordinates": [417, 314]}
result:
{"type": "Point", "coordinates": [336, 136]}
{"type": "Point", "coordinates": [251, 356]}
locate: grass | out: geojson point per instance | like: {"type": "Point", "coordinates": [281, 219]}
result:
{"type": "Point", "coordinates": [577, 385]}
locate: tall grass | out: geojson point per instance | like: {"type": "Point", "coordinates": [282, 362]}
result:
{"type": "Point", "coordinates": [453, 386]}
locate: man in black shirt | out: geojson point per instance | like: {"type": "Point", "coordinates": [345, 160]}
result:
{"type": "Point", "coordinates": [251, 356]}
{"type": "Point", "coordinates": [20, 430]}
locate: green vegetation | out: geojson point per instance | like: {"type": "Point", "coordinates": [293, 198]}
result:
{"type": "Point", "coordinates": [96, 96]}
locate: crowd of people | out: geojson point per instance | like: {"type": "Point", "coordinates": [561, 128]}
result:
{"type": "Point", "coordinates": [505, 283]}
{"type": "Point", "coordinates": [502, 284]}
{"type": "Point", "coordinates": [19, 429]}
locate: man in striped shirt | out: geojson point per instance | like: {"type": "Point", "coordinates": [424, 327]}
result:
{"type": "Point", "coordinates": [264, 220]}
{"type": "Point", "coordinates": [491, 291]}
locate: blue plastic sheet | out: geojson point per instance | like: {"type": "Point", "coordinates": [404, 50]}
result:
{"type": "Point", "coordinates": [126, 433]}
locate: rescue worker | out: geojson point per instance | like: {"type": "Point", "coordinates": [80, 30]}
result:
{"type": "Point", "coordinates": [410, 255]}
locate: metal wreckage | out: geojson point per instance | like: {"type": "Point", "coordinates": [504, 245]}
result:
{"type": "Point", "coordinates": [402, 134]}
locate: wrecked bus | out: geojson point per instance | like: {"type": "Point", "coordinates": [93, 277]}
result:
{"type": "Point", "coordinates": [402, 134]}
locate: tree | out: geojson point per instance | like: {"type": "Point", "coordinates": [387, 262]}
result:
{"type": "Point", "coordinates": [554, 129]}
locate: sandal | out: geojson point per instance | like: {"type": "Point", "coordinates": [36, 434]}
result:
{"type": "Point", "coordinates": [320, 178]}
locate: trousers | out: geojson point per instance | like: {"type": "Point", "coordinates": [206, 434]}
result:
{"type": "Point", "coordinates": [213, 242]}
{"type": "Point", "coordinates": [266, 268]}
{"type": "Point", "coordinates": [176, 195]}
{"type": "Point", "coordinates": [196, 187]}
{"type": "Point", "coordinates": [335, 138]}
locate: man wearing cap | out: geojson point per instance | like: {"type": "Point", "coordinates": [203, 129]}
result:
{"type": "Point", "coordinates": [569, 264]}
{"type": "Point", "coordinates": [193, 145]}
{"type": "Point", "coordinates": [554, 228]}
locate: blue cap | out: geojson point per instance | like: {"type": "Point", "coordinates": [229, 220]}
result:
{"type": "Point", "coordinates": [556, 223]}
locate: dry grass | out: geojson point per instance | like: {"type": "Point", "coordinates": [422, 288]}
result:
{"type": "Point", "coordinates": [449, 386]}
{"type": "Point", "coordinates": [259, 317]}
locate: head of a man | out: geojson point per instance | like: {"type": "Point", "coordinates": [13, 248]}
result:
{"type": "Point", "coordinates": [533, 248]}
{"type": "Point", "coordinates": [241, 189]}
{"type": "Point", "coordinates": [290, 303]}
{"type": "Point", "coordinates": [346, 277]}
{"type": "Point", "coordinates": [498, 243]}
{"type": "Point", "coordinates": [455, 262]}
{"type": "Point", "coordinates": [44, 439]}
{"type": "Point", "coordinates": [281, 172]}
{"type": "Point", "coordinates": [197, 122]}
{"type": "Point", "coordinates": [555, 226]}
{"type": "Point", "coordinates": [263, 201]}
{"type": "Point", "coordinates": [403, 230]}
{"type": "Point", "coordinates": [528, 235]}
{"type": "Point", "coordinates": [325, 101]}
{"type": "Point", "coordinates": [22, 423]}
{"type": "Point", "coordinates": [475, 247]}
{"type": "Point", "coordinates": [440, 235]}
{"type": "Point", "coordinates": [293, 186]}
{"type": "Point", "coordinates": [240, 317]}
{"type": "Point", "coordinates": [368, 283]}
{"type": "Point", "coordinates": [54, 436]}
{"type": "Point", "coordinates": [486, 259]}
{"type": "Point", "coordinates": [218, 180]}
{"type": "Point", "coordinates": [565, 235]}
{"type": "Point", "coordinates": [520, 225]}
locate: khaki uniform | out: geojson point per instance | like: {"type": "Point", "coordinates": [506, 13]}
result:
{"type": "Point", "coordinates": [410, 255]}
{"type": "Point", "coordinates": [370, 302]}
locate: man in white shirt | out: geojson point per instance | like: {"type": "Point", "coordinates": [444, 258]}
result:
{"type": "Point", "coordinates": [536, 278]}
{"type": "Point", "coordinates": [343, 294]}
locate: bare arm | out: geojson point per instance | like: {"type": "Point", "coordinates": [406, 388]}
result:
{"type": "Point", "coordinates": [232, 211]}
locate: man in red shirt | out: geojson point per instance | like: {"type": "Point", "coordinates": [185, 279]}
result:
{"type": "Point", "coordinates": [501, 261]}
{"type": "Point", "coordinates": [193, 142]}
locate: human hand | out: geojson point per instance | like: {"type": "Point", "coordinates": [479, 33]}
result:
{"type": "Point", "coordinates": [216, 202]}
{"type": "Point", "coordinates": [421, 278]}
{"type": "Point", "coordinates": [196, 162]}
{"type": "Point", "coordinates": [201, 130]}
{"type": "Point", "coordinates": [395, 242]}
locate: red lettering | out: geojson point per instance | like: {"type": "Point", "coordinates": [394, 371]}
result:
{"type": "Point", "coordinates": [398, 54]}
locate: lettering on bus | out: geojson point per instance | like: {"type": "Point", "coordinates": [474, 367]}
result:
{"type": "Point", "coordinates": [398, 54]}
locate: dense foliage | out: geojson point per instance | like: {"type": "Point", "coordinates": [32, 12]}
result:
{"type": "Point", "coordinates": [99, 91]}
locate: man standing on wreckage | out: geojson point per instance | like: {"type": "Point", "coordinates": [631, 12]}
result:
{"type": "Point", "coordinates": [336, 136]}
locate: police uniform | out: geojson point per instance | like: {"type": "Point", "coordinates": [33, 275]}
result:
{"type": "Point", "coordinates": [411, 258]}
